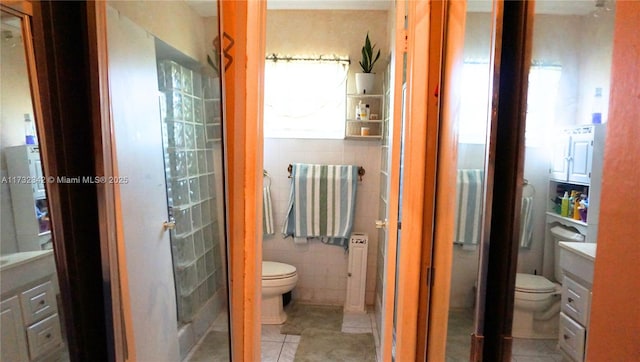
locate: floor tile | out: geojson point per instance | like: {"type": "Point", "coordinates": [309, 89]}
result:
{"type": "Point", "coordinates": [271, 333]}
{"type": "Point", "coordinates": [360, 320]}
{"type": "Point", "coordinates": [356, 330]}
{"type": "Point", "coordinates": [292, 338]}
{"type": "Point", "coordinates": [270, 351]}
{"type": "Point", "coordinates": [288, 352]}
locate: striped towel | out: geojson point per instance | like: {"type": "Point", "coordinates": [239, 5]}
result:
{"type": "Point", "coordinates": [322, 203]}
{"type": "Point", "coordinates": [526, 222]}
{"type": "Point", "coordinates": [469, 195]}
{"type": "Point", "coordinates": [267, 211]}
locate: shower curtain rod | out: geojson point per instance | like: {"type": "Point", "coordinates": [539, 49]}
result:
{"type": "Point", "coordinates": [276, 58]}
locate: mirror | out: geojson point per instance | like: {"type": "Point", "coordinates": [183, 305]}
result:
{"type": "Point", "coordinates": [31, 321]}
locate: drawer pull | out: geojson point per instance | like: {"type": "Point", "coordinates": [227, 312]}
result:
{"type": "Point", "coordinates": [41, 302]}
{"type": "Point", "coordinates": [48, 335]}
{"type": "Point", "coordinates": [570, 300]}
{"type": "Point", "coordinates": [566, 336]}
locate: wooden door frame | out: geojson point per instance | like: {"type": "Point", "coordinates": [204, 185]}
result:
{"type": "Point", "coordinates": [512, 47]}
{"type": "Point", "coordinates": [242, 30]}
{"type": "Point", "coordinates": [420, 179]}
{"type": "Point", "coordinates": [66, 117]}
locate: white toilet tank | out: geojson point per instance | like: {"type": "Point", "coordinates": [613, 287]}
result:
{"type": "Point", "coordinates": [560, 233]}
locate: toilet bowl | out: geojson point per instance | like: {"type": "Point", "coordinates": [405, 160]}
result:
{"type": "Point", "coordinates": [536, 307]}
{"type": "Point", "coordinates": [277, 279]}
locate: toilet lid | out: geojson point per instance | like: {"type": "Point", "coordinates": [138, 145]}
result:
{"type": "Point", "coordinates": [275, 270]}
{"type": "Point", "coordinates": [533, 284]}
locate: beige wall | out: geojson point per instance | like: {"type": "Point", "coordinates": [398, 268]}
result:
{"type": "Point", "coordinates": [171, 21]}
{"type": "Point", "coordinates": [324, 32]}
{"type": "Point", "coordinates": [615, 312]}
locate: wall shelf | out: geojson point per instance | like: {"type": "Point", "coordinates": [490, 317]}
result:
{"type": "Point", "coordinates": [370, 129]}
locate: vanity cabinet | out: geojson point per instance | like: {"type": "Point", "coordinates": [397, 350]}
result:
{"type": "Point", "coordinates": [28, 194]}
{"type": "Point", "coordinates": [14, 342]}
{"type": "Point", "coordinates": [358, 128]}
{"type": "Point", "coordinates": [576, 262]}
{"type": "Point", "coordinates": [31, 324]}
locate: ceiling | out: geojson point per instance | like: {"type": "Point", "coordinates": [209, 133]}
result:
{"type": "Point", "coordinates": [558, 7]}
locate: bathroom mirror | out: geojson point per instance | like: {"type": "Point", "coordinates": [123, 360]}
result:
{"type": "Point", "coordinates": [31, 321]}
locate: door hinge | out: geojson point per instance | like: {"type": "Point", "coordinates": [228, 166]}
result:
{"type": "Point", "coordinates": [399, 225]}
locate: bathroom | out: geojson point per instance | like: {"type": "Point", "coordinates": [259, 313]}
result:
{"type": "Point", "coordinates": [272, 173]}
{"type": "Point", "coordinates": [571, 57]}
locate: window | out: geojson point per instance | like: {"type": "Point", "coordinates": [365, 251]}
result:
{"type": "Point", "coordinates": [544, 81]}
{"type": "Point", "coordinates": [305, 98]}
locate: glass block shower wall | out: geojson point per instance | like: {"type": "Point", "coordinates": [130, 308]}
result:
{"type": "Point", "coordinates": [190, 109]}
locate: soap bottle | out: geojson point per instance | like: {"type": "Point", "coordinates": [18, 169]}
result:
{"type": "Point", "coordinates": [576, 208]}
{"type": "Point", "coordinates": [363, 112]}
{"type": "Point", "coordinates": [564, 208]}
{"type": "Point", "coordinates": [358, 111]}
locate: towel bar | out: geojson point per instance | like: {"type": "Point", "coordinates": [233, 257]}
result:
{"type": "Point", "coordinates": [361, 171]}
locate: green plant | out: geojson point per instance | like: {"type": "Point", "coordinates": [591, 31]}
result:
{"type": "Point", "coordinates": [368, 60]}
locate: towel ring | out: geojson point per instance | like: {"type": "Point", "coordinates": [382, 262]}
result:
{"type": "Point", "coordinates": [361, 171]}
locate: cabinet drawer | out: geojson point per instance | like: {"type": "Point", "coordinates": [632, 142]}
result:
{"type": "Point", "coordinates": [575, 301]}
{"type": "Point", "coordinates": [572, 338]}
{"type": "Point", "coordinates": [38, 302]}
{"type": "Point", "coordinates": [44, 336]}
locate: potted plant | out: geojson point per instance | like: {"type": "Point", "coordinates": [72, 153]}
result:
{"type": "Point", "coordinates": [366, 79]}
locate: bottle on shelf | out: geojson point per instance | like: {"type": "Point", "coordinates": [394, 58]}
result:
{"type": "Point", "coordinates": [597, 106]}
{"type": "Point", "coordinates": [564, 208]}
{"type": "Point", "coordinates": [576, 208]}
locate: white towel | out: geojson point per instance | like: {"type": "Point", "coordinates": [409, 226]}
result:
{"type": "Point", "coordinates": [469, 197]}
{"type": "Point", "coordinates": [526, 222]}
{"type": "Point", "coordinates": [267, 210]}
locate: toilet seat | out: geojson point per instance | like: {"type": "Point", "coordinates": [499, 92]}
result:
{"type": "Point", "coordinates": [529, 283]}
{"type": "Point", "coordinates": [273, 270]}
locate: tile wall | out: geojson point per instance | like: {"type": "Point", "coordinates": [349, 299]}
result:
{"type": "Point", "coordinates": [322, 269]}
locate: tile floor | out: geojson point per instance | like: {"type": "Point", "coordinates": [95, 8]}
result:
{"type": "Point", "coordinates": [524, 350]}
{"type": "Point", "coordinates": [276, 347]}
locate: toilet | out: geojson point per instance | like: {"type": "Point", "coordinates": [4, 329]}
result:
{"type": "Point", "coordinates": [537, 300]}
{"type": "Point", "coordinates": [277, 279]}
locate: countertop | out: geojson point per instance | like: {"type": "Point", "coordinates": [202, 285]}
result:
{"type": "Point", "coordinates": [586, 250]}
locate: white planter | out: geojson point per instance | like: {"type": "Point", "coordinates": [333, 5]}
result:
{"type": "Point", "coordinates": [365, 82]}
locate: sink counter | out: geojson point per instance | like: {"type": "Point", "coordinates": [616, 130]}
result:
{"type": "Point", "coordinates": [19, 269]}
{"type": "Point", "coordinates": [586, 250]}
{"type": "Point", "coordinates": [577, 259]}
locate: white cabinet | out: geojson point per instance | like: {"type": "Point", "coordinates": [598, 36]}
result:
{"type": "Point", "coordinates": [14, 343]}
{"type": "Point", "coordinates": [576, 164]}
{"type": "Point", "coordinates": [573, 152]}
{"type": "Point", "coordinates": [30, 323]}
{"type": "Point", "coordinates": [28, 197]}
{"type": "Point", "coordinates": [371, 128]}
{"type": "Point", "coordinates": [576, 261]}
